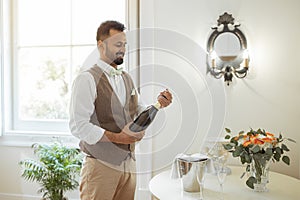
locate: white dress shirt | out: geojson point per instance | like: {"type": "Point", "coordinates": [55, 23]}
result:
{"type": "Point", "coordinates": [84, 93]}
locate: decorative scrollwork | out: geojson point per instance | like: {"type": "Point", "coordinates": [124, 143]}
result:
{"type": "Point", "coordinates": [227, 66]}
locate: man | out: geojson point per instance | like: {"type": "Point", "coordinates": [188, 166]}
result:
{"type": "Point", "coordinates": [103, 104]}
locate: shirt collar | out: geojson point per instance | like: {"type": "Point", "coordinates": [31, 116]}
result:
{"type": "Point", "coordinates": [105, 67]}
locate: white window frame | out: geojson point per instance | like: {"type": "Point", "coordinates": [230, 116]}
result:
{"type": "Point", "coordinates": [8, 135]}
{"type": "Point", "coordinates": [56, 127]}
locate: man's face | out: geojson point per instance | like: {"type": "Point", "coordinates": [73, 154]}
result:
{"type": "Point", "coordinates": [114, 47]}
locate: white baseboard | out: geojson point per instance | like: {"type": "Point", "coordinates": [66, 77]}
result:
{"type": "Point", "coordinates": [9, 196]}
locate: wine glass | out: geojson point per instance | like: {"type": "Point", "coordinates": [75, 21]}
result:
{"type": "Point", "coordinates": [201, 170]}
{"type": "Point", "coordinates": [221, 173]}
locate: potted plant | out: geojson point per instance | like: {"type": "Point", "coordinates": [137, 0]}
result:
{"type": "Point", "coordinates": [257, 148]}
{"type": "Point", "coordinates": [56, 169]}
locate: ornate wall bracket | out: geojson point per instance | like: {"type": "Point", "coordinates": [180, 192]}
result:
{"type": "Point", "coordinates": [222, 60]}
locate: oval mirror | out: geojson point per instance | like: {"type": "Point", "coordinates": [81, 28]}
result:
{"type": "Point", "coordinates": [227, 46]}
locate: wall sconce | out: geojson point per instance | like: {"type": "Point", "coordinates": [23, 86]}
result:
{"type": "Point", "coordinates": [227, 50]}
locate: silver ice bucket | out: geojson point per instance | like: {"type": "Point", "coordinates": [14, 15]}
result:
{"type": "Point", "coordinates": [188, 167]}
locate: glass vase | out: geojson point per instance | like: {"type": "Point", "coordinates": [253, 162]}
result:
{"type": "Point", "coordinates": [259, 169]}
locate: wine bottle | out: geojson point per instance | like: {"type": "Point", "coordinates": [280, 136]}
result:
{"type": "Point", "coordinates": [145, 118]}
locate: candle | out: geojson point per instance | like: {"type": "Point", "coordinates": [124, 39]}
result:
{"type": "Point", "coordinates": [213, 59]}
{"type": "Point", "coordinates": [246, 58]}
{"type": "Point", "coordinates": [246, 62]}
{"type": "Point", "coordinates": [213, 63]}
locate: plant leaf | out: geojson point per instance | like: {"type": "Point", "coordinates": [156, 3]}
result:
{"type": "Point", "coordinates": [227, 130]}
{"type": "Point", "coordinates": [227, 146]}
{"type": "Point", "coordinates": [255, 149]}
{"type": "Point", "coordinates": [284, 147]}
{"type": "Point", "coordinates": [250, 182]}
{"type": "Point", "coordinates": [227, 137]}
{"type": "Point", "coordinates": [243, 159]}
{"type": "Point", "coordinates": [238, 151]}
{"type": "Point", "coordinates": [247, 158]}
{"type": "Point", "coordinates": [269, 152]}
{"type": "Point", "coordinates": [277, 156]}
{"type": "Point", "coordinates": [291, 140]}
{"type": "Point", "coordinates": [278, 150]}
{"type": "Point", "coordinates": [241, 132]}
{"type": "Point", "coordinates": [286, 160]}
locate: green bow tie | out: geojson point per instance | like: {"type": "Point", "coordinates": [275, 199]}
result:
{"type": "Point", "coordinates": [116, 72]}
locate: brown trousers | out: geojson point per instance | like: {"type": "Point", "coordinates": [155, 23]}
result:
{"type": "Point", "coordinates": [104, 181]}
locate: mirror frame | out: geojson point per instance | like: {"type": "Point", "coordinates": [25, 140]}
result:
{"type": "Point", "coordinates": [218, 67]}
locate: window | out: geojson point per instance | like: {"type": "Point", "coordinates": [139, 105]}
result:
{"type": "Point", "coordinates": [42, 46]}
{"type": "Point", "coordinates": [50, 40]}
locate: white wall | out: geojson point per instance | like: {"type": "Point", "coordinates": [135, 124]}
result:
{"type": "Point", "coordinates": [267, 98]}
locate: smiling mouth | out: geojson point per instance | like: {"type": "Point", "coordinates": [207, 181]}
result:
{"type": "Point", "coordinates": [120, 54]}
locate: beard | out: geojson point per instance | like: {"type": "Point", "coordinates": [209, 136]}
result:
{"type": "Point", "coordinates": [118, 61]}
{"type": "Point", "coordinates": [118, 57]}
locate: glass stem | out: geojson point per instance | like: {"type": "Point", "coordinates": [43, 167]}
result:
{"type": "Point", "coordinates": [222, 191]}
{"type": "Point", "coordinates": [201, 191]}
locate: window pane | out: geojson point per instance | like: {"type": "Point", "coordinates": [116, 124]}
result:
{"type": "Point", "coordinates": [43, 22]}
{"type": "Point", "coordinates": [86, 17]}
{"type": "Point", "coordinates": [79, 55]}
{"type": "Point", "coordinates": [43, 86]}
{"type": "Point", "coordinates": [54, 38]}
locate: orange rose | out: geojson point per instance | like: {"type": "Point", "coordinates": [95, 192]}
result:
{"type": "Point", "coordinates": [258, 141]}
{"type": "Point", "coordinates": [270, 134]}
{"type": "Point", "coordinates": [246, 143]}
{"type": "Point", "coordinates": [269, 140]}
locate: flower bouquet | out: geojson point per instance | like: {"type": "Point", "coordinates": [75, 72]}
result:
{"type": "Point", "coordinates": [257, 148]}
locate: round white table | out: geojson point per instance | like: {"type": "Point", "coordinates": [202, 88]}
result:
{"type": "Point", "coordinates": [281, 187]}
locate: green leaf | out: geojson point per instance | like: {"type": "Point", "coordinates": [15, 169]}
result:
{"type": "Point", "coordinates": [277, 156]}
{"type": "Point", "coordinates": [241, 132]}
{"type": "Point", "coordinates": [227, 137]}
{"type": "Point", "coordinates": [247, 158]}
{"type": "Point", "coordinates": [286, 160]}
{"type": "Point", "coordinates": [227, 130]}
{"type": "Point", "coordinates": [278, 150]}
{"type": "Point", "coordinates": [236, 153]}
{"type": "Point", "coordinates": [234, 142]}
{"type": "Point", "coordinates": [227, 146]}
{"type": "Point", "coordinates": [243, 159]}
{"type": "Point", "coordinates": [284, 147]}
{"type": "Point", "coordinates": [269, 152]}
{"type": "Point", "coordinates": [250, 182]}
{"type": "Point", "coordinates": [255, 149]}
{"type": "Point", "coordinates": [291, 140]}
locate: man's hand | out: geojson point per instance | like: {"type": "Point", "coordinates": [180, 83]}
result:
{"type": "Point", "coordinates": [165, 98]}
{"type": "Point", "coordinates": [125, 136]}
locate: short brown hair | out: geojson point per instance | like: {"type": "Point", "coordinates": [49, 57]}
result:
{"type": "Point", "coordinates": [103, 30]}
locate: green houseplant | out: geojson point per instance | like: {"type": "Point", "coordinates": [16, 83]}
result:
{"type": "Point", "coordinates": [56, 169]}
